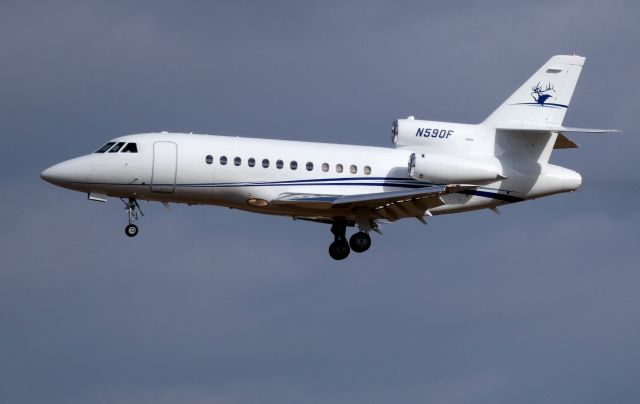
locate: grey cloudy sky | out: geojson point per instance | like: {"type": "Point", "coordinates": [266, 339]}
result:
{"type": "Point", "coordinates": [537, 305]}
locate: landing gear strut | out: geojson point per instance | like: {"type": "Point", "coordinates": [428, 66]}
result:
{"type": "Point", "coordinates": [339, 249]}
{"type": "Point", "coordinates": [132, 230]}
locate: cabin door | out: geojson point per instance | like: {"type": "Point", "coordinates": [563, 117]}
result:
{"type": "Point", "coordinates": [165, 159]}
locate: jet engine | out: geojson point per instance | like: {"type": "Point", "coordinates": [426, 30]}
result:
{"type": "Point", "coordinates": [411, 131]}
{"type": "Point", "coordinates": [444, 169]}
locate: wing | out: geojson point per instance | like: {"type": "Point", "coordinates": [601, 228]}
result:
{"type": "Point", "coordinates": [383, 205]}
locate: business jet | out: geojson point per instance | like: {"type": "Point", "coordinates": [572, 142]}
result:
{"type": "Point", "coordinates": [434, 167]}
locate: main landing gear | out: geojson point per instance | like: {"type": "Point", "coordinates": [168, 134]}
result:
{"type": "Point", "coordinates": [340, 248]}
{"type": "Point", "coordinates": [131, 207]}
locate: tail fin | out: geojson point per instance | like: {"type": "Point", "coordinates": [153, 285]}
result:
{"type": "Point", "coordinates": [544, 98]}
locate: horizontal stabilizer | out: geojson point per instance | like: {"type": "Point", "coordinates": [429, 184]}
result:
{"type": "Point", "coordinates": [556, 128]}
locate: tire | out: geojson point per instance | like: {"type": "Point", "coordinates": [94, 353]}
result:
{"type": "Point", "coordinates": [131, 230]}
{"type": "Point", "coordinates": [339, 250]}
{"type": "Point", "coordinates": [360, 242]}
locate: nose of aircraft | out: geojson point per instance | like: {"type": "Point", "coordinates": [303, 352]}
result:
{"type": "Point", "coordinates": [69, 172]}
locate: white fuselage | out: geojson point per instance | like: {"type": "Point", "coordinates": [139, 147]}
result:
{"type": "Point", "coordinates": [188, 168]}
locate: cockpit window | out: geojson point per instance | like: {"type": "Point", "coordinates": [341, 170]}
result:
{"type": "Point", "coordinates": [105, 147]}
{"type": "Point", "coordinates": [132, 148]}
{"type": "Point", "coordinates": [117, 147]}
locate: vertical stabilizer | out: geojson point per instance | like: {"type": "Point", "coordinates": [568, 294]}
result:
{"type": "Point", "coordinates": [544, 98]}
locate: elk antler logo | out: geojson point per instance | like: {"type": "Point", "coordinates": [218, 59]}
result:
{"type": "Point", "coordinates": [541, 95]}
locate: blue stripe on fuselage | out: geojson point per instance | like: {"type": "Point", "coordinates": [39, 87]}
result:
{"type": "Point", "coordinates": [407, 183]}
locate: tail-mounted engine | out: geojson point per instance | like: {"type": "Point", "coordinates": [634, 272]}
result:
{"type": "Point", "coordinates": [410, 131]}
{"type": "Point", "coordinates": [444, 169]}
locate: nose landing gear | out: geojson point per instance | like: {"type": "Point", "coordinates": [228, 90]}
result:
{"type": "Point", "coordinates": [132, 230]}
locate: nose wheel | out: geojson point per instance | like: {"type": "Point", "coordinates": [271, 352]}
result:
{"type": "Point", "coordinates": [132, 207]}
{"type": "Point", "coordinates": [131, 230]}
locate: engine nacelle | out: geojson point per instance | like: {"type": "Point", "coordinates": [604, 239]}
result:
{"type": "Point", "coordinates": [414, 132]}
{"type": "Point", "coordinates": [453, 170]}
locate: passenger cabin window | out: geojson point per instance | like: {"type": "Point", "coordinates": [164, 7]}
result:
{"type": "Point", "coordinates": [251, 162]}
{"type": "Point", "coordinates": [325, 167]}
{"type": "Point", "coordinates": [339, 168]}
{"type": "Point", "coordinates": [353, 169]}
{"type": "Point", "coordinates": [208, 159]}
{"type": "Point", "coordinates": [367, 170]}
{"type": "Point", "coordinates": [223, 160]}
{"type": "Point", "coordinates": [105, 147]}
{"type": "Point", "coordinates": [279, 164]}
{"type": "Point", "coordinates": [237, 161]}
{"type": "Point", "coordinates": [117, 147]}
{"type": "Point", "coordinates": [309, 166]}
{"type": "Point", "coordinates": [294, 165]}
{"type": "Point", "coordinates": [265, 163]}
{"type": "Point", "coordinates": [133, 148]}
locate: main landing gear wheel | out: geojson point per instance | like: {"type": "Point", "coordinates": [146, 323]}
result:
{"type": "Point", "coordinates": [339, 249]}
{"type": "Point", "coordinates": [131, 230]}
{"type": "Point", "coordinates": [360, 242]}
